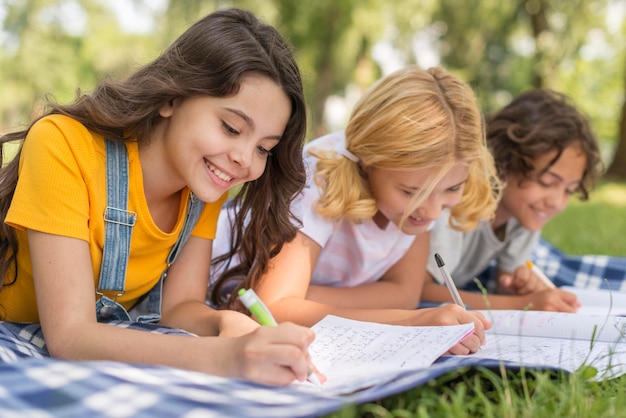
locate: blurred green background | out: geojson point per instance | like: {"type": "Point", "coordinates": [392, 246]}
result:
{"type": "Point", "coordinates": [500, 48]}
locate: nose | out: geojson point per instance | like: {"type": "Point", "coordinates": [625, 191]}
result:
{"type": "Point", "coordinates": [430, 209]}
{"type": "Point", "coordinates": [241, 154]}
{"type": "Point", "coordinates": [557, 200]}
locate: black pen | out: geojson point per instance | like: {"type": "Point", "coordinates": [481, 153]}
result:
{"type": "Point", "coordinates": [448, 280]}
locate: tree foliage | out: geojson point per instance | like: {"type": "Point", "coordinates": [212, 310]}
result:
{"type": "Point", "coordinates": [500, 48]}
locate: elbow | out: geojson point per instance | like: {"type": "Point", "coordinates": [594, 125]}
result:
{"type": "Point", "coordinates": [62, 348]}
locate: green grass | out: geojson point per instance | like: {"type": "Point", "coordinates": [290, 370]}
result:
{"type": "Point", "coordinates": [594, 227]}
{"type": "Point", "coordinates": [597, 226]}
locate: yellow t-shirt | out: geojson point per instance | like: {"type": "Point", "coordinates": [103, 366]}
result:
{"type": "Point", "coordinates": [61, 190]}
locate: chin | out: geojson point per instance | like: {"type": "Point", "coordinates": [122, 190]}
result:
{"type": "Point", "coordinates": [533, 226]}
{"type": "Point", "coordinates": [414, 230]}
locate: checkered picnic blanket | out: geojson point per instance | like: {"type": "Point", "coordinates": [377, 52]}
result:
{"type": "Point", "coordinates": [587, 271]}
{"type": "Point", "coordinates": [32, 384]}
{"type": "Point", "coordinates": [583, 271]}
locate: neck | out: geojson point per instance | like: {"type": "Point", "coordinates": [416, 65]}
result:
{"type": "Point", "coordinates": [499, 223]}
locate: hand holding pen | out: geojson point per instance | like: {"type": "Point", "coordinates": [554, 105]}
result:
{"type": "Point", "coordinates": [263, 315]}
{"type": "Point", "coordinates": [473, 341]}
{"type": "Point", "coordinates": [542, 276]}
{"type": "Point", "coordinates": [527, 278]}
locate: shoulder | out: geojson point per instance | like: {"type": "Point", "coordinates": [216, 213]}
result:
{"type": "Point", "coordinates": [63, 132]}
{"type": "Point", "coordinates": [59, 123]}
{"type": "Point", "coordinates": [319, 147]}
{"type": "Point", "coordinates": [332, 141]}
{"type": "Point", "coordinates": [515, 230]}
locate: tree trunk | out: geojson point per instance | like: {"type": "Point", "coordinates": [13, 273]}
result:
{"type": "Point", "coordinates": [617, 169]}
{"type": "Point", "coordinates": [539, 23]}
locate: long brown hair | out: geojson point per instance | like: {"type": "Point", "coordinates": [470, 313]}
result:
{"type": "Point", "coordinates": [211, 58]}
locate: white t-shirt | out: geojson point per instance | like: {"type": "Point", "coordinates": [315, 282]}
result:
{"type": "Point", "coordinates": [352, 254]}
{"type": "Point", "coordinates": [468, 254]}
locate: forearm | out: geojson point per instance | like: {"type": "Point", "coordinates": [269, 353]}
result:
{"type": "Point", "coordinates": [377, 295]}
{"type": "Point", "coordinates": [95, 341]}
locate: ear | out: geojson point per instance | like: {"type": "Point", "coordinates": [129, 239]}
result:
{"type": "Point", "coordinates": [167, 109]}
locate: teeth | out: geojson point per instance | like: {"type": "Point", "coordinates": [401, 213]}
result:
{"type": "Point", "coordinates": [220, 174]}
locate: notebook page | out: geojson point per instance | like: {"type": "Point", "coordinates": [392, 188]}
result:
{"type": "Point", "coordinates": [599, 301]}
{"type": "Point", "coordinates": [356, 354]}
{"type": "Point", "coordinates": [609, 359]}
{"type": "Point", "coordinates": [557, 325]}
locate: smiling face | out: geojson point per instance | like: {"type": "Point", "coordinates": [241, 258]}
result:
{"type": "Point", "coordinates": [533, 202]}
{"type": "Point", "coordinates": [394, 190]}
{"type": "Point", "coordinates": [212, 144]}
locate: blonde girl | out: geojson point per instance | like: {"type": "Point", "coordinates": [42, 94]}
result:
{"type": "Point", "coordinates": [413, 146]}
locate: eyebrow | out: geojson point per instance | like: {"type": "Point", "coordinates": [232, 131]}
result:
{"type": "Point", "coordinates": [249, 121]}
{"type": "Point", "coordinates": [561, 179]}
{"type": "Point", "coordinates": [412, 188]}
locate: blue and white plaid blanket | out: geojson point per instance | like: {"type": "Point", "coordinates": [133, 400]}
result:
{"type": "Point", "coordinates": [34, 385]}
{"type": "Point", "coordinates": [587, 271]}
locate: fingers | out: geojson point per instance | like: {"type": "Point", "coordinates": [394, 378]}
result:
{"type": "Point", "coordinates": [469, 345]}
{"type": "Point", "coordinates": [480, 325]}
{"type": "Point", "coordinates": [555, 300]}
{"type": "Point", "coordinates": [524, 281]}
{"type": "Point", "coordinates": [568, 302]}
{"type": "Point", "coordinates": [455, 315]}
{"type": "Point", "coordinates": [506, 282]}
{"type": "Point", "coordinates": [275, 355]}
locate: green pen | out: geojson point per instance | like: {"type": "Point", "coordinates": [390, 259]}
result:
{"type": "Point", "coordinates": [256, 306]}
{"type": "Point", "coordinates": [263, 315]}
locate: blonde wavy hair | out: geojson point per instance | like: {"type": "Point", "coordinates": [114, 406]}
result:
{"type": "Point", "coordinates": [411, 119]}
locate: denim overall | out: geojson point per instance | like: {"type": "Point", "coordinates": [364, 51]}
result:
{"type": "Point", "coordinates": [119, 224]}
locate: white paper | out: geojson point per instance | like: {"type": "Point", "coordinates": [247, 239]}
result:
{"type": "Point", "coordinates": [555, 339]}
{"type": "Point", "coordinates": [354, 354]}
{"type": "Point", "coordinates": [599, 301]}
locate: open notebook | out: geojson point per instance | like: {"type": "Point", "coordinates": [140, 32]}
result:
{"type": "Point", "coordinates": [560, 340]}
{"type": "Point", "coordinates": [355, 355]}
{"type": "Point", "coordinates": [599, 301]}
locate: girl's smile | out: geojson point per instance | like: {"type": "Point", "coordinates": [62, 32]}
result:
{"type": "Point", "coordinates": [213, 144]}
{"type": "Point", "coordinates": [394, 190]}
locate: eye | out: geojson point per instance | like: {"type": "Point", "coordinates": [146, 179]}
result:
{"type": "Point", "coordinates": [456, 188]}
{"type": "Point", "coordinates": [229, 129]}
{"type": "Point", "coordinates": [264, 151]}
{"type": "Point", "coordinates": [543, 183]}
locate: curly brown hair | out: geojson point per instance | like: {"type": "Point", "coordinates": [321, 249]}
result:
{"type": "Point", "coordinates": [538, 122]}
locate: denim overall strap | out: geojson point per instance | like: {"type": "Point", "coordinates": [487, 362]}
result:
{"type": "Point", "coordinates": [119, 221]}
{"type": "Point", "coordinates": [119, 224]}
